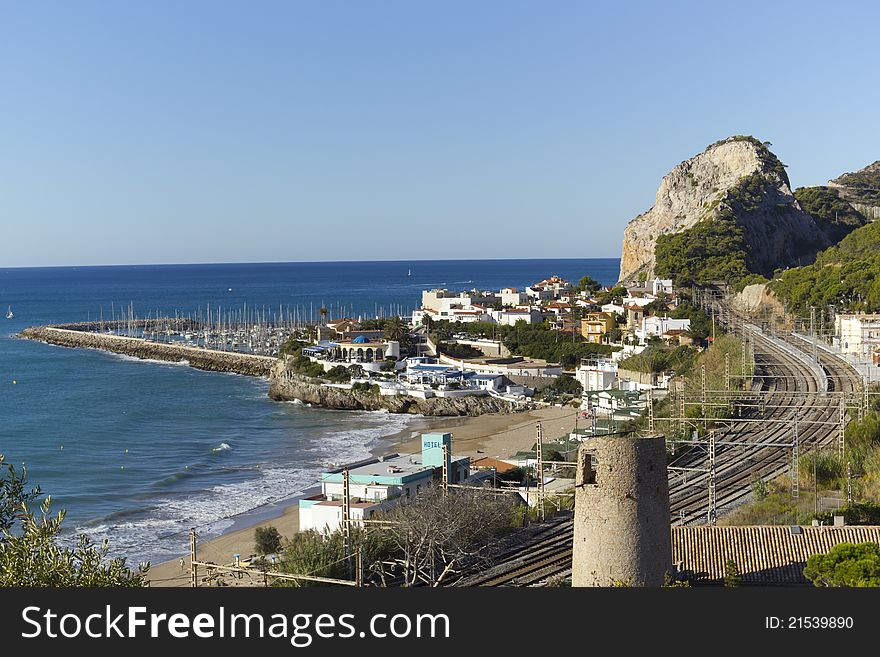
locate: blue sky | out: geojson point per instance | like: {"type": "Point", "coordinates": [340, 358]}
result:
{"type": "Point", "coordinates": [273, 131]}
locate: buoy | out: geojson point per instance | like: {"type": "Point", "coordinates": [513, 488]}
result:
{"type": "Point", "coordinates": [14, 382]}
{"type": "Point", "coordinates": [126, 451]}
{"type": "Point", "coordinates": [62, 447]}
{"type": "Point", "coordinates": [122, 467]}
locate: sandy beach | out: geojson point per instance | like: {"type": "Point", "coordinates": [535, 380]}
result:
{"type": "Point", "coordinates": [499, 436]}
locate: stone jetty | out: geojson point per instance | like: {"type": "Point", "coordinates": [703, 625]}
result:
{"type": "Point", "coordinates": [73, 335]}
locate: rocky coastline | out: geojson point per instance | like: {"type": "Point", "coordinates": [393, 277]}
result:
{"type": "Point", "coordinates": [288, 386]}
{"type": "Point", "coordinates": [283, 385]}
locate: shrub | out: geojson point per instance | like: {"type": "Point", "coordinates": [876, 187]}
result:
{"type": "Point", "coordinates": [846, 564]}
{"type": "Point", "coordinates": [267, 540]}
{"type": "Point", "coordinates": [732, 576]}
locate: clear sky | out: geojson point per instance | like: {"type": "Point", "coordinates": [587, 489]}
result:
{"type": "Point", "coordinates": [196, 131]}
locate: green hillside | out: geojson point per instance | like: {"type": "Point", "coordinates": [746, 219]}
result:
{"type": "Point", "coordinates": [833, 214]}
{"type": "Point", "coordinates": [846, 275]}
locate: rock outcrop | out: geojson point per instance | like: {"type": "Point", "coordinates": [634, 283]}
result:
{"type": "Point", "coordinates": [861, 189]}
{"type": "Point", "coordinates": [288, 386]}
{"type": "Point", "coordinates": [711, 185]}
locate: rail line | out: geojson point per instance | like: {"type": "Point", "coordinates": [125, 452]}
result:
{"type": "Point", "coordinates": [792, 391]}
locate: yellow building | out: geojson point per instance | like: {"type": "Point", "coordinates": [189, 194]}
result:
{"type": "Point", "coordinates": [595, 326]}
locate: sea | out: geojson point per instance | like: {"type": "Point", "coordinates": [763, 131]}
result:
{"type": "Point", "coordinates": [138, 451]}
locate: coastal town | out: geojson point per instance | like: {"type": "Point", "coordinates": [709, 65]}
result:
{"type": "Point", "coordinates": [458, 344]}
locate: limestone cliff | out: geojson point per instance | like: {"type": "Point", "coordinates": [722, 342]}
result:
{"type": "Point", "coordinates": [737, 179]}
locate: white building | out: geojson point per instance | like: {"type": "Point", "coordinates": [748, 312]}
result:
{"type": "Point", "coordinates": [510, 296]}
{"type": "Point", "coordinates": [858, 335]}
{"type": "Point", "coordinates": [455, 313]}
{"type": "Point", "coordinates": [442, 299]}
{"type": "Point", "coordinates": [510, 316]}
{"type": "Point", "coordinates": [641, 302]}
{"type": "Point", "coordinates": [380, 483]}
{"type": "Point", "coordinates": [657, 326]}
{"type": "Point", "coordinates": [369, 354]}
{"type": "Point", "coordinates": [661, 286]}
{"type": "Point", "coordinates": [616, 308]}
{"type": "Point", "coordinates": [597, 374]}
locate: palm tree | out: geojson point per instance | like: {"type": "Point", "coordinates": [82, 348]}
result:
{"type": "Point", "coordinates": [394, 329]}
{"type": "Point", "coordinates": [323, 313]}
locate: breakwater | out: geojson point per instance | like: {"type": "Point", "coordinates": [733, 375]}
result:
{"type": "Point", "coordinates": [73, 335]}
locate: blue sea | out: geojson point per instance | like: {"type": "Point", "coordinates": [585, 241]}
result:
{"type": "Point", "coordinates": [140, 451]}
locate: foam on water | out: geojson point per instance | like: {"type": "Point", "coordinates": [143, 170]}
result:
{"type": "Point", "coordinates": [159, 531]}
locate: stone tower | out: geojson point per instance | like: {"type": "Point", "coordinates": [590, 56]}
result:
{"type": "Point", "coordinates": [621, 514]}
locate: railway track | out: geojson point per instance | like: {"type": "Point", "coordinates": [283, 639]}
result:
{"type": "Point", "coordinates": [790, 389]}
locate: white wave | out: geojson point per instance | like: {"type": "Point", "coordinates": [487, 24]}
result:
{"type": "Point", "coordinates": [135, 359]}
{"type": "Point", "coordinates": [162, 533]}
{"type": "Point", "coordinates": [221, 447]}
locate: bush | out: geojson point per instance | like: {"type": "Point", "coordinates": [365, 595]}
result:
{"type": "Point", "coordinates": [338, 374]}
{"type": "Point", "coordinates": [31, 556]}
{"type": "Point", "coordinates": [846, 564]}
{"type": "Point", "coordinates": [567, 385]}
{"type": "Point", "coordinates": [732, 576]}
{"type": "Point", "coordinates": [826, 464]}
{"type": "Point", "coordinates": [760, 489]}
{"type": "Point", "coordinates": [267, 540]}
{"type": "Point", "coordinates": [363, 386]}
{"type": "Point", "coordinates": [855, 513]}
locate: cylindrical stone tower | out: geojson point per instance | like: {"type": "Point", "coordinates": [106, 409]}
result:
{"type": "Point", "coordinates": [621, 513]}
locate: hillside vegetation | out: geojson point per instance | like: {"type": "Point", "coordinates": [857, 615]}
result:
{"type": "Point", "coordinates": [845, 275]}
{"type": "Point", "coordinates": [832, 213]}
{"type": "Point", "coordinates": [862, 186]}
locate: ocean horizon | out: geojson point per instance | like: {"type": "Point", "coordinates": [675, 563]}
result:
{"type": "Point", "coordinates": [140, 451]}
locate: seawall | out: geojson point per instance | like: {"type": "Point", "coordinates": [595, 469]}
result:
{"type": "Point", "coordinates": [198, 357]}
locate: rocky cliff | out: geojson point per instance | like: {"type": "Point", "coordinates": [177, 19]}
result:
{"type": "Point", "coordinates": [737, 181]}
{"type": "Point", "coordinates": [861, 189]}
{"type": "Point", "coordinates": [288, 386]}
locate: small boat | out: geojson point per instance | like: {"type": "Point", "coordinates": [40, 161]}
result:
{"type": "Point", "coordinates": [9, 314]}
{"type": "Point", "coordinates": [409, 272]}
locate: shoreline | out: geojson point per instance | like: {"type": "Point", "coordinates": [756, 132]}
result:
{"type": "Point", "coordinates": [497, 435]}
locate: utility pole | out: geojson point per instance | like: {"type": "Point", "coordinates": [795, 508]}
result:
{"type": "Point", "coordinates": [445, 479]}
{"type": "Point", "coordinates": [703, 395]}
{"type": "Point", "coordinates": [346, 519]}
{"type": "Point", "coordinates": [194, 577]}
{"type": "Point", "coordinates": [727, 372]}
{"type": "Point", "coordinates": [795, 463]}
{"type": "Point", "coordinates": [841, 435]}
{"type": "Point", "coordinates": [713, 511]}
{"type": "Point", "coordinates": [848, 483]}
{"type": "Point", "coordinates": [539, 449]}
{"type": "Point", "coordinates": [681, 422]}
{"type": "Point", "coordinates": [651, 410]}
{"type": "Point", "coordinates": [742, 349]}
{"type": "Point", "coordinates": [813, 332]}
